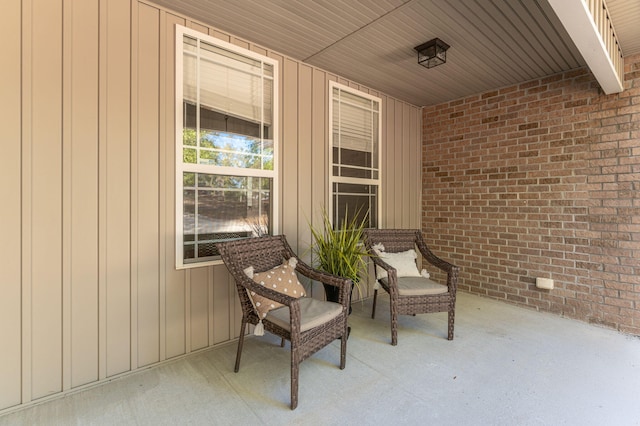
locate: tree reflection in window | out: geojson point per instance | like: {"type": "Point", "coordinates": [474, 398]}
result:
{"type": "Point", "coordinates": [226, 171]}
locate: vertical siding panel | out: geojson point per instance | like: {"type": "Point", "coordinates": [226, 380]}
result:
{"type": "Point", "coordinates": [281, 120]}
{"type": "Point", "coordinates": [222, 305]}
{"type": "Point", "coordinates": [187, 310]}
{"type": "Point", "coordinates": [10, 225]}
{"type": "Point", "coordinates": [320, 140]}
{"type": "Point", "coordinates": [319, 146]}
{"type": "Point", "coordinates": [239, 42]}
{"type": "Point", "coordinates": [289, 151]}
{"type": "Point", "coordinates": [389, 166]}
{"type": "Point", "coordinates": [255, 49]}
{"type": "Point", "coordinates": [397, 166]}
{"type": "Point", "coordinates": [145, 158]}
{"type": "Point", "coordinates": [115, 184]}
{"type": "Point", "coordinates": [235, 311]}
{"type": "Point", "coordinates": [219, 34]}
{"type": "Point", "coordinates": [198, 27]}
{"type": "Point", "coordinates": [133, 214]}
{"type": "Point", "coordinates": [163, 94]}
{"type": "Point", "coordinates": [102, 193]}
{"type": "Point", "coordinates": [46, 198]}
{"type": "Point", "coordinates": [199, 308]}
{"type": "Point", "coordinates": [210, 304]}
{"type": "Point", "coordinates": [408, 157]}
{"type": "Point", "coordinates": [383, 161]}
{"type": "Point", "coordinates": [304, 159]}
{"type": "Point", "coordinates": [415, 172]}
{"type": "Point", "coordinates": [26, 204]}
{"type": "Point", "coordinates": [174, 279]}
{"type": "Point", "coordinates": [67, 122]}
{"type": "Point", "coordinates": [81, 149]}
{"type": "Point", "coordinates": [382, 221]}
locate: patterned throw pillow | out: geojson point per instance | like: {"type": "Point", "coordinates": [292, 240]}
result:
{"type": "Point", "coordinates": [282, 279]}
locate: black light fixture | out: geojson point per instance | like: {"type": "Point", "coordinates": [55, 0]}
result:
{"type": "Point", "coordinates": [432, 53]}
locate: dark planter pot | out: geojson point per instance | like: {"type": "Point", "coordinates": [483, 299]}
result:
{"type": "Point", "coordinates": [333, 294]}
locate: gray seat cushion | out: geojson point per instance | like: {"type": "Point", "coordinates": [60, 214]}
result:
{"type": "Point", "coordinates": [313, 313]}
{"type": "Point", "coordinates": [417, 286]}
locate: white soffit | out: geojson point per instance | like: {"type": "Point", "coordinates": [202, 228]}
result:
{"type": "Point", "coordinates": [577, 20]}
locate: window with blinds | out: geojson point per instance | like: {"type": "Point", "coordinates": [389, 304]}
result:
{"type": "Point", "coordinates": [226, 145]}
{"type": "Point", "coordinates": [354, 174]}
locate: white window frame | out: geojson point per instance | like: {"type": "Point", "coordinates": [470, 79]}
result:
{"type": "Point", "coordinates": [182, 167]}
{"type": "Point", "coordinates": [352, 180]}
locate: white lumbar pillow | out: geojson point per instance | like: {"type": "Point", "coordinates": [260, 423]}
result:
{"type": "Point", "coordinates": [404, 262]}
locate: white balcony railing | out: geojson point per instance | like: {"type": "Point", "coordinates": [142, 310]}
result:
{"type": "Point", "coordinates": [602, 20]}
{"type": "Point", "coordinates": [589, 25]}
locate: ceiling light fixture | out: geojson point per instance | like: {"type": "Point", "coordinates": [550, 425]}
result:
{"type": "Point", "coordinates": [432, 53]}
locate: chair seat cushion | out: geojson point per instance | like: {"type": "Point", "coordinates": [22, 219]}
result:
{"type": "Point", "coordinates": [313, 312]}
{"type": "Point", "coordinates": [417, 286]}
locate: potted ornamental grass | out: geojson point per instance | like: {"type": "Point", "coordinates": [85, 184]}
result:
{"type": "Point", "coordinates": [339, 250]}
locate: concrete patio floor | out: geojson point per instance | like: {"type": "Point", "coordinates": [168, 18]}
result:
{"type": "Point", "coordinates": [506, 366]}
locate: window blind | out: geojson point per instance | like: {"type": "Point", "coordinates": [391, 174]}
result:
{"type": "Point", "coordinates": [355, 122]}
{"type": "Point", "coordinates": [230, 84]}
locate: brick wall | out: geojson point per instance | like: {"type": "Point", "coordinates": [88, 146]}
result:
{"type": "Point", "coordinates": [541, 179]}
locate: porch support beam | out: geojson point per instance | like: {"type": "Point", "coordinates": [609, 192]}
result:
{"type": "Point", "coordinates": [589, 26]}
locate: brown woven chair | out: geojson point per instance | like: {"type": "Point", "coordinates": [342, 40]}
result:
{"type": "Point", "coordinates": [412, 295]}
{"type": "Point", "coordinates": [304, 321]}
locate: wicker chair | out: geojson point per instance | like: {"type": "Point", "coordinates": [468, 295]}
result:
{"type": "Point", "coordinates": [304, 321]}
{"type": "Point", "coordinates": [410, 296]}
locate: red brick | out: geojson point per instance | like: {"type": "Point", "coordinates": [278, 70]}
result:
{"type": "Point", "coordinates": [541, 179]}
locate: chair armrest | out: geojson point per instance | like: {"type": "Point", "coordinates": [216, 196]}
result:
{"type": "Point", "coordinates": [344, 284]}
{"type": "Point", "coordinates": [451, 269]}
{"type": "Point", "coordinates": [377, 261]}
{"type": "Point", "coordinates": [392, 274]}
{"type": "Point", "coordinates": [430, 257]}
{"type": "Point", "coordinates": [318, 275]}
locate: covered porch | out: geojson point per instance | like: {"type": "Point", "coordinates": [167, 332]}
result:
{"type": "Point", "coordinates": [531, 175]}
{"type": "Point", "coordinates": [506, 366]}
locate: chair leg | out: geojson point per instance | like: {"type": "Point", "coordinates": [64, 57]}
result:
{"type": "Point", "coordinates": [394, 323]}
{"type": "Point", "coordinates": [240, 343]}
{"type": "Point", "coordinates": [450, 327]}
{"type": "Point", "coordinates": [343, 348]}
{"type": "Point", "coordinates": [295, 369]}
{"type": "Point", "coordinates": [375, 298]}
{"type": "Point", "coordinates": [282, 343]}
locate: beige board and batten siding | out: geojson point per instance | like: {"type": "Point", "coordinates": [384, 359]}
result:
{"type": "Point", "coordinates": [90, 288]}
{"type": "Point", "coordinates": [10, 207]}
